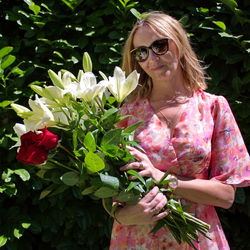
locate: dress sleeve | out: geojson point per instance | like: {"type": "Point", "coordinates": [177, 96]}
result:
{"type": "Point", "coordinates": [230, 162]}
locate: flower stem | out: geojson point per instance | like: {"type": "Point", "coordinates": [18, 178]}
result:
{"type": "Point", "coordinates": [66, 150]}
{"type": "Point", "coordinates": [62, 165]}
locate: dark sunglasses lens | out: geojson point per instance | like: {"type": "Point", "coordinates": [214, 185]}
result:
{"type": "Point", "coordinates": [160, 46]}
{"type": "Point", "coordinates": [141, 54]}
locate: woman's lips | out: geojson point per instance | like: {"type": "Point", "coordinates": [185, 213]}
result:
{"type": "Point", "coordinates": [158, 67]}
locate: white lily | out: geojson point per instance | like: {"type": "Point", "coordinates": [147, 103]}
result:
{"type": "Point", "coordinates": [61, 116]}
{"type": "Point", "coordinates": [19, 129]}
{"type": "Point", "coordinates": [120, 86]}
{"type": "Point", "coordinates": [88, 88]}
{"type": "Point", "coordinates": [70, 83]}
{"type": "Point", "coordinates": [67, 78]}
{"type": "Point", "coordinates": [40, 116]}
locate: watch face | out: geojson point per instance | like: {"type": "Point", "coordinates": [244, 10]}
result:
{"type": "Point", "coordinates": [174, 182]}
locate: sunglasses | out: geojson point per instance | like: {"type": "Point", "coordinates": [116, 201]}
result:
{"type": "Point", "coordinates": [159, 47]}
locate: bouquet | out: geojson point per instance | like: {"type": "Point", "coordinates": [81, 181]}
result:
{"type": "Point", "coordinates": [69, 134]}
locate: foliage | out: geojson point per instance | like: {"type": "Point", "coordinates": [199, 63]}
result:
{"type": "Point", "coordinates": [54, 34]}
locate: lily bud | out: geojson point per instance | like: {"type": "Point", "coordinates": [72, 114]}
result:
{"type": "Point", "coordinates": [57, 81]}
{"type": "Point", "coordinates": [40, 91]}
{"type": "Point", "coordinates": [21, 111]}
{"type": "Point", "coordinates": [86, 62]}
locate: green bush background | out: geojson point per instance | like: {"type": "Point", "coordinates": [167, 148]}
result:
{"type": "Point", "coordinates": [41, 35]}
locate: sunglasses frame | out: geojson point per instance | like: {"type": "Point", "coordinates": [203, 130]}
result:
{"type": "Point", "coordinates": [150, 47]}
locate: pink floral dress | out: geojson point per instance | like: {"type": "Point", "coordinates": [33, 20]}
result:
{"type": "Point", "coordinates": [206, 144]}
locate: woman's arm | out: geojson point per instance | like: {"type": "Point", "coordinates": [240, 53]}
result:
{"type": "Point", "coordinates": [208, 192]}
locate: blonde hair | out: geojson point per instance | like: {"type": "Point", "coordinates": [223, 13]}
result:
{"type": "Point", "coordinates": [169, 27]}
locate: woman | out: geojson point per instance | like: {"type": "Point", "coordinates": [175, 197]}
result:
{"type": "Point", "coordinates": [186, 129]}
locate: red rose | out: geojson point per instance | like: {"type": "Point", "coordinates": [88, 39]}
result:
{"type": "Point", "coordinates": [42, 138]}
{"type": "Point", "coordinates": [32, 155]}
{"type": "Point", "coordinates": [35, 146]}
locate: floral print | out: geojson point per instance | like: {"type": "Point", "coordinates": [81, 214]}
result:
{"type": "Point", "coordinates": [206, 143]}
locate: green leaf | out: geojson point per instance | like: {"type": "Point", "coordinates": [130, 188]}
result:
{"type": "Point", "coordinates": [5, 103]}
{"type": "Point", "coordinates": [6, 175]}
{"type": "Point", "coordinates": [137, 14]}
{"type": "Point", "coordinates": [149, 183]}
{"type": "Point", "coordinates": [108, 113]}
{"type": "Point", "coordinates": [18, 233]}
{"type": "Point", "coordinates": [47, 191]}
{"type": "Point", "coordinates": [139, 177]}
{"type": "Point", "coordinates": [7, 61]}
{"type": "Point", "coordinates": [220, 24]}
{"type": "Point", "coordinates": [112, 137]}
{"type": "Point", "coordinates": [5, 51]}
{"type": "Point", "coordinates": [35, 8]}
{"type": "Point", "coordinates": [225, 34]}
{"type": "Point", "coordinates": [3, 240]}
{"type": "Point", "coordinates": [59, 190]}
{"type": "Point", "coordinates": [18, 71]}
{"type": "Point", "coordinates": [9, 189]}
{"type": "Point", "coordinates": [23, 174]}
{"type": "Point", "coordinates": [70, 178]}
{"type": "Point", "coordinates": [93, 162]}
{"type": "Point", "coordinates": [133, 127]}
{"type": "Point", "coordinates": [132, 184]}
{"type": "Point", "coordinates": [72, 4]}
{"type": "Point", "coordinates": [232, 4]}
{"type": "Point", "coordinates": [26, 225]}
{"type": "Point", "coordinates": [88, 190]}
{"type": "Point", "coordinates": [110, 181]}
{"type": "Point", "coordinates": [125, 196]}
{"type": "Point", "coordinates": [105, 192]}
{"type": "Point", "coordinates": [89, 142]}
{"type": "Point", "coordinates": [203, 10]}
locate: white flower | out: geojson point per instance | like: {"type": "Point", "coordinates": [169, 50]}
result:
{"type": "Point", "coordinates": [40, 116]}
{"type": "Point", "coordinates": [88, 88]}
{"type": "Point", "coordinates": [120, 86]}
{"type": "Point", "coordinates": [70, 83]}
{"type": "Point", "coordinates": [19, 129]}
{"type": "Point", "coordinates": [61, 116]}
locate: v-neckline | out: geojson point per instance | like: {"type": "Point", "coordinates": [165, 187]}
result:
{"type": "Point", "coordinates": [183, 110]}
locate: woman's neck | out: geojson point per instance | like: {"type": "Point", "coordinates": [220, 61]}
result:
{"type": "Point", "coordinates": [169, 91]}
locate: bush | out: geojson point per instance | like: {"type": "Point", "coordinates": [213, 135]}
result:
{"type": "Point", "coordinates": [36, 36]}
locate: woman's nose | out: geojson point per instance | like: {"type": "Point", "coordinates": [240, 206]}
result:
{"type": "Point", "coordinates": [152, 56]}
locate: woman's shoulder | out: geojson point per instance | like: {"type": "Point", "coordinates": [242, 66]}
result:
{"type": "Point", "coordinates": [212, 103]}
{"type": "Point", "coordinates": [210, 98]}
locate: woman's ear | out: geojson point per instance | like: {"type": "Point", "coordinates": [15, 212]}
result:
{"type": "Point", "coordinates": [172, 47]}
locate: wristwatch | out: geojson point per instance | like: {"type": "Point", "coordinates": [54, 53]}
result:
{"type": "Point", "coordinates": [174, 181]}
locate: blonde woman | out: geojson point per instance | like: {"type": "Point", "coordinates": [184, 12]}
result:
{"type": "Point", "coordinates": [186, 129]}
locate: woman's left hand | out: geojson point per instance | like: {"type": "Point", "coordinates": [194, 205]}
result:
{"type": "Point", "coordinates": [143, 165]}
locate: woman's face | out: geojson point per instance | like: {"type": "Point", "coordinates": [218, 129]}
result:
{"type": "Point", "coordinates": [158, 67]}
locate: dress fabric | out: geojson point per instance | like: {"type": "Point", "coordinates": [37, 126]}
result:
{"type": "Point", "coordinates": [206, 144]}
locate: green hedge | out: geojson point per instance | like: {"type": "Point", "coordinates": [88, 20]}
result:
{"type": "Point", "coordinates": [36, 36]}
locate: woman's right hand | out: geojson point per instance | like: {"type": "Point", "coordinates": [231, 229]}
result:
{"type": "Point", "coordinates": [146, 211]}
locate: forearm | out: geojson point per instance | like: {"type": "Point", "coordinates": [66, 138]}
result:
{"type": "Point", "coordinates": [208, 192]}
